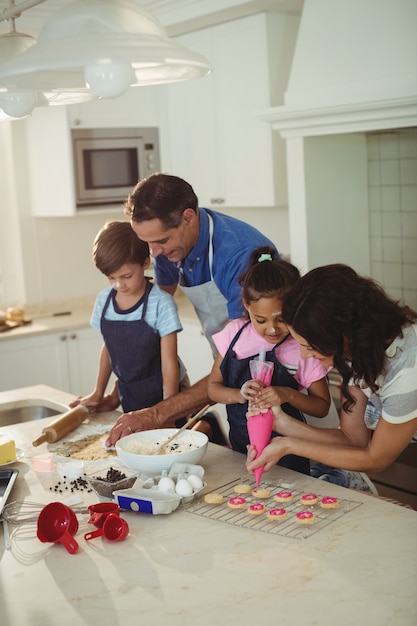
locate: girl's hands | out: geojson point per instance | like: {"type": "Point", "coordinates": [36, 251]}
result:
{"type": "Point", "coordinates": [271, 396]}
{"type": "Point", "coordinates": [250, 389]}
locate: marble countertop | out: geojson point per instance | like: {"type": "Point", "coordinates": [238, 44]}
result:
{"type": "Point", "coordinates": [189, 569]}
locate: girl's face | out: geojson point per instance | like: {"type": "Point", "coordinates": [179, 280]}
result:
{"type": "Point", "coordinates": [128, 280]}
{"type": "Point", "coordinates": [308, 352]}
{"type": "Point", "coordinates": [265, 315]}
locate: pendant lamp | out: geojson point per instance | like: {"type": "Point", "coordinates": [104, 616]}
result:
{"type": "Point", "coordinates": [104, 46]}
{"type": "Point", "coordinates": [18, 102]}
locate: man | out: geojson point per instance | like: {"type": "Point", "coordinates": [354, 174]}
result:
{"type": "Point", "coordinates": [202, 251]}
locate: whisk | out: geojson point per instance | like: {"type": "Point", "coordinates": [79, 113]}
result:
{"type": "Point", "coordinates": [24, 512]}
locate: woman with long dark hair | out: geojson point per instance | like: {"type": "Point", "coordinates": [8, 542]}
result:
{"type": "Point", "coordinates": [347, 321]}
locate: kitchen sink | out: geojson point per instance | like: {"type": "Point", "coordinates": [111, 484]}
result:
{"type": "Point", "coordinates": [27, 410]}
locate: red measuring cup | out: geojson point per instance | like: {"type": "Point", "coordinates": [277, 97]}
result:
{"type": "Point", "coordinates": [114, 528]}
{"type": "Point", "coordinates": [99, 512]}
{"type": "Point", "coordinates": [57, 523]}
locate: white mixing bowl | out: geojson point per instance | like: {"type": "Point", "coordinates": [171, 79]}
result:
{"type": "Point", "coordinates": [138, 450]}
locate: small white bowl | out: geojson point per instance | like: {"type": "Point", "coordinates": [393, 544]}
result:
{"type": "Point", "coordinates": [138, 450]}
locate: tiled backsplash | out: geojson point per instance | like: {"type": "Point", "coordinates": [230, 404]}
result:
{"type": "Point", "coordinates": [392, 180]}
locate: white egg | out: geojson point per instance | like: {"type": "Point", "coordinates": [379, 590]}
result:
{"type": "Point", "coordinates": [184, 488]}
{"type": "Point", "coordinates": [166, 485]}
{"type": "Point", "coordinates": [195, 481]}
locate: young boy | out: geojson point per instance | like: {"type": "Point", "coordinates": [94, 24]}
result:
{"type": "Point", "coordinates": [138, 321]}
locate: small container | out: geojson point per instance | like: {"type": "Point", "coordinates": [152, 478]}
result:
{"type": "Point", "coordinates": [109, 479]}
{"type": "Point", "coordinates": [43, 462]}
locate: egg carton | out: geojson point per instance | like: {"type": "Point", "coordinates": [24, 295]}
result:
{"type": "Point", "coordinates": [145, 496]}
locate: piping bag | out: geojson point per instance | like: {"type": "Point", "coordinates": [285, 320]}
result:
{"type": "Point", "coordinates": [260, 430]}
{"type": "Point", "coordinates": [63, 424]}
{"type": "Point", "coordinates": [260, 425]}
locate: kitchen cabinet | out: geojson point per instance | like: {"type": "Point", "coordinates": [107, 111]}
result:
{"type": "Point", "coordinates": [67, 360]}
{"type": "Point", "coordinates": [216, 142]}
{"type": "Point", "coordinates": [195, 351]}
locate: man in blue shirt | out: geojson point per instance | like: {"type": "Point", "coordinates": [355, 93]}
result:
{"type": "Point", "coordinates": [202, 251]}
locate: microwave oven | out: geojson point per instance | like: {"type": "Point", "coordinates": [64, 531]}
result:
{"type": "Point", "coordinates": [108, 162]}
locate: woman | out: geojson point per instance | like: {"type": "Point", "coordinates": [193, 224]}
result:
{"type": "Point", "coordinates": [348, 321]}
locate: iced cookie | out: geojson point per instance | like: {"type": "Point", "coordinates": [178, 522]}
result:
{"type": "Point", "coordinates": [283, 496]}
{"type": "Point", "coordinates": [277, 514]}
{"type": "Point", "coordinates": [309, 498]}
{"type": "Point", "coordinates": [237, 503]}
{"type": "Point", "coordinates": [328, 502]}
{"type": "Point", "coordinates": [305, 517]}
{"type": "Point", "coordinates": [257, 508]}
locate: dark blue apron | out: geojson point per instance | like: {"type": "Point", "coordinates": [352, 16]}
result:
{"type": "Point", "coordinates": [135, 355]}
{"type": "Point", "coordinates": [235, 373]}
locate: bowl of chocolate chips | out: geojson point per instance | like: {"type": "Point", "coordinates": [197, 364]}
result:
{"type": "Point", "coordinates": [109, 479]}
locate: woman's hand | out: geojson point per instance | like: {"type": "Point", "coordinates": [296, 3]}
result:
{"type": "Point", "coordinates": [269, 457]}
{"type": "Point", "coordinates": [133, 422]}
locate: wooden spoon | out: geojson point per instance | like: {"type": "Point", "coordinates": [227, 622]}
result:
{"type": "Point", "coordinates": [187, 424]}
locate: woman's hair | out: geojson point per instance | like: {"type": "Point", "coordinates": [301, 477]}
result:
{"type": "Point", "coordinates": [267, 276]}
{"type": "Point", "coordinates": [161, 197]}
{"type": "Point", "coordinates": [116, 244]}
{"type": "Point", "coordinates": [348, 316]}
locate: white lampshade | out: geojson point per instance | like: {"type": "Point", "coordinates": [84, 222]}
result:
{"type": "Point", "coordinates": [107, 45]}
{"type": "Point", "coordinates": [18, 101]}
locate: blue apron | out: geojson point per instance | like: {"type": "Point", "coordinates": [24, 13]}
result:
{"type": "Point", "coordinates": [235, 373]}
{"type": "Point", "coordinates": [135, 355]}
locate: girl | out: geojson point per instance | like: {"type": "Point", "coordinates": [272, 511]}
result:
{"type": "Point", "coordinates": [264, 288]}
{"type": "Point", "coordinates": [348, 321]}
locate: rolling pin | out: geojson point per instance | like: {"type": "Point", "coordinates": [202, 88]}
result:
{"type": "Point", "coordinates": [63, 425]}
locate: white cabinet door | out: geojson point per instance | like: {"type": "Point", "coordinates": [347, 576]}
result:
{"type": "Point", "coordinates": [83, 350]}
{"type": "Point", "coordinates": [50, 167]}
{"type": "Point", "coordinates": [66, 361]}
{"type": "Point", "coordinates": [195, 352]}
{"type": "Point", "coordinates": [34, 361]}
{"type": "Point", "coordinates": [216, 141]}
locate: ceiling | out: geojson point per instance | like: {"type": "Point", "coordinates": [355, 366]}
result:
{"type": "Point", "coordinates": [178, 16]}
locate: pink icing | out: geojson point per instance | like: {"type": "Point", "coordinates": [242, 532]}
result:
{"type": "Point", "coordinates": [237, 501]}
{"type": "Point", "coordinates": [284, 494]}
{"type": "Point", "coordinates": [328, 500]}
{"type": "Point", "coordinates": [309, 497]}
{"type": "Point", "coordinates": [303, 515]}
{"type": "Point", "coordinates": [257, 507]}
{"type": "Point", "coordinates": [277, 512]}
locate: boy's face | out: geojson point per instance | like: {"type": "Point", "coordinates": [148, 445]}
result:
{"type": "Point", "coordinates": [129, 278]}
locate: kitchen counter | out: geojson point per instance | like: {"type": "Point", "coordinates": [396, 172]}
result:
{"type": "Point", "coordinates": [79, 317]}
{"type": "Point", "coordinates": [188, 569]}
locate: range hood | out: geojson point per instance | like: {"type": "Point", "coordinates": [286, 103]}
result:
{"type": "Point", "coordinates": [354, 71]}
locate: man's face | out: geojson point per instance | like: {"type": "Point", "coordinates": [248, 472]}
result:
{"type": "Point", "coordinates": [173, 243]}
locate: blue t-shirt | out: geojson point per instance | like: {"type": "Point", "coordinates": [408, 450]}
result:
{"type": "Point", "coordinates": [233, 243]}
{"type": "Point", "coordinates": [161, 312]}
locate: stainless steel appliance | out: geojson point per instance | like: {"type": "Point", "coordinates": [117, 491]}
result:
{"type": "Point", "coordinates": [108, 162]}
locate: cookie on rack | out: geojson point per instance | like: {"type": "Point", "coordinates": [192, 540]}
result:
{"type": "Point", "coordinates": [309, 499]}
{"type": "Point", "coordinates": [277, 514]}
{"type": "Point", "coordinates": [242, 488]}
{"type": "Point", "coordinates": [261, 492]}
{"type": "Point", "coordinates": [214, 498]}
{"type": "Point", "coordinates": [283, 496]}
{"type": "Point", "coordinates": [237, 503]}
{"type": "Point", "coordinates": [329, 502]}
{"type": "Point", "coordinates": [305, 517]}
{"type": "Point", "coordinates": [257, 509]}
